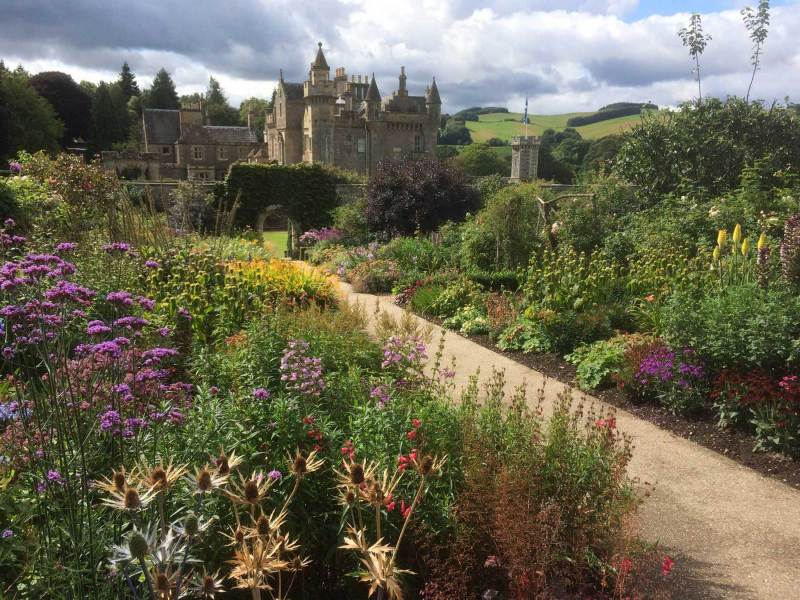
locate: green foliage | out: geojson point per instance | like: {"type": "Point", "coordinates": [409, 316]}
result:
{"type": "Point", "coordinates": [162, 93]}
{"type": "Point", "coordinates": [127, 82]}
{"type": "Point", "coordinates": [217, 109]}
{"type": "Point", "coordinates": [351, 219]}
{"type": "Point", "coordinates": [612, 111]}
{"type": "Point", "coordinates": [601, 153]}
{"type": "Point", "coordinates": [708, 145]}
{"type": "Point", "coordinates": [257, 107]}
{"type": "Point", "coordinates": [308, 192]}
{"type": "Point", "coordinates": [374, 276]}
{"type": "Point", "coordinates": [512, 220]}
{"type": "Point", "coordinates": [479, 160]}
{"type": "Point", "coordinates": [740, 326]}
{"type": "Point", "coordinates": [596, 363]}
{"type": "Point", "coordinates": [458, 293]}
{"type": "Point", "coordinates": [425, 298]}
{"type": "Point", "coordinates": [110, 123]}
{"type": "Point", "coordinates": [454, 133]}
{"type": "Point", "coordinates": [468, 320]}
{"type": "Point", "coordinates": [27, 121]}
{"type": "Point", "coordinates": [71, 103]}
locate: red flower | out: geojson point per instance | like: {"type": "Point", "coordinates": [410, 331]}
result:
{"type": "Point", "coordinates": [317, 447]}
{"type": "Point", "coordinates": [404, 510]}
{"type": "Point", "coordinates": [309, 420]}
{"type": "Point", "coordinates": [390, 507]}
{"type": "Point", "coordinates": [666, 565]}
{"type": "Point", "coordinates": [412, 435]}
{"type": "Point", "coordinates": [416, 423]}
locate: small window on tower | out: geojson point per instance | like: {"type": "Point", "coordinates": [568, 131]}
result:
{"type": "Point", "coordinates": [417, 143]}
{"type": "Point", "coordinates": [197, 152]}
{"type": "Point", "coordinates": [222, 153]}
{"type": "Point", "coordinates": [165, 149]}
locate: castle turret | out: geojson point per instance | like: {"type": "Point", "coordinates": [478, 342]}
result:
{"type": "Point", "coordinates": [320, 71]}
{"type": "Point", "coordinates": [402, 91]}
{"type": "Point", "coordinates": [433, 102]}
{"type": "Point", "coordinates": [373, 99]}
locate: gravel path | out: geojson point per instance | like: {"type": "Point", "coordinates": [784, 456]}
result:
{"type": "Point", "coordinates": [732, 532]}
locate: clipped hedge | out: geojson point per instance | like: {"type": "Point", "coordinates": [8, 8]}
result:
{"type": "Point", "coordinates": [308, 192]}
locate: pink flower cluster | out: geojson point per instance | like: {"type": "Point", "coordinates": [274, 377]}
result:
{"type": "Point", "coordinates": [403, 353]}
{"type": "Point", "coordinates": [299, 371]}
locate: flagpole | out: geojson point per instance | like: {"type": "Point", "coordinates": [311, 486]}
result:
{"type": "Point", "coordinates": [526, 116]}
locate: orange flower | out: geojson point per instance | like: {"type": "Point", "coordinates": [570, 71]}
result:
{"type": "Point", "coordinates": [650, 298]}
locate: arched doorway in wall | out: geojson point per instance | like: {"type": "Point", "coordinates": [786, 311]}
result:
{"type": "Point", "coordinates": [281, 150]}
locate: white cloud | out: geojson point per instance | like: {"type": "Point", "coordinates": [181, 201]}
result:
{"type": "Point", "coordinates": [578, 57]}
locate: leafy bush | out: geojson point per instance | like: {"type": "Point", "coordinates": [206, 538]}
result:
{"type": "Point", "coordinates": [469, 320]}
{"type": "Point", "coordinates": [741, 326]}
{"type": "Point", "coordinates": [461, 292]}
{"type": "Point", "coordinates": [709, 144]}
{"type": "Point", "coordinates": [413, 196]}
{"type": "Point", "coordinates": [480, 160]}
{"type": "Point", "coordinates": [375, 276]}
{"type": "Point", "coordinates": [351, 220]}
{"type": "Point", "coordinates": [425, 298]}
{"type": "Point", "coordinates": [597, 362]}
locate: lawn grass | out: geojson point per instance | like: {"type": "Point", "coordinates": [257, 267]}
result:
{"type": "Point", "coordinates": [507, 125]}
{"type": "Point", "coordinates": [277, 239]}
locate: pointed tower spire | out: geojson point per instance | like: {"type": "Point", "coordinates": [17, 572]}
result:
{"type": "Point", "coordinates": [320, 62]}
{"type": "Point", "coordinates": [373, 95]}
{"type": "Point", "coordinates": [432, 97]}
{"type": "Point", "coordinates": [281, 77]}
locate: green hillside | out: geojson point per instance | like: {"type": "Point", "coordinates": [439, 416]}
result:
{"type": "Point", "coordinates": [507, 125]}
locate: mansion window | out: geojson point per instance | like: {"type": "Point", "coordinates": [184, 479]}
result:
{"type": "Point", "coordinates": [222, 153]}
{"type": "Point", "coordinates": [417, 143]}
{"type": "Point", "coordinates": [197, 152]}
{"type": "Point", "coordinates": [362, 145]}
{"type": "Point", "coordinates": [165, 149]}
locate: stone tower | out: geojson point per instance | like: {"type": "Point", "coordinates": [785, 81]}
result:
{"type": "Point", "coordinates": [524, 157]}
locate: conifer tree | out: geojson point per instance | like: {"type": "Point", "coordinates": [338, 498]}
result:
{"type": "Point", "coordinates": [218, 111]}
{"type": "Point", "coordinates": [162, 93]}
{"type": "Point", "coordinates": [127, 82]}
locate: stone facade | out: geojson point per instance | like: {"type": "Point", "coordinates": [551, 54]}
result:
{"type": "Point", "coordinates": [177, 144]}
{"type": "Point", "coordinates": [344, 121]}
{"type": "Point", "coordinates": [524, 158]}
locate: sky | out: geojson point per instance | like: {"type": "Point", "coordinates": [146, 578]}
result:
{"type": "Point", "coordinates": [571, 55]}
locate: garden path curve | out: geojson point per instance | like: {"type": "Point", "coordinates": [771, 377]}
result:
{"type": "Point", "coordinates": [732, 532]}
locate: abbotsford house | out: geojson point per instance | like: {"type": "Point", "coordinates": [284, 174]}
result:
{"type": "Point", "coordinates": [342, 122]}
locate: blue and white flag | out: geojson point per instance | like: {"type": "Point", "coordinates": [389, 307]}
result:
{"type": "Point", "coordinates": [525, 116]}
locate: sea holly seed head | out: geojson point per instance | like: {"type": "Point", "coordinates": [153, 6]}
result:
{"type": "Point", "coordinates": [137, 544]}
{"type": "Point", "coordinates": [132, 499]}
{"type": "Point", "coordinates": [191, 524]}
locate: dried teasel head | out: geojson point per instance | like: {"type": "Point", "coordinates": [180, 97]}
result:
{"type": "Point", "coordinates": [225, 463]}
{"type": "Point", "coordinates": [205, 480]}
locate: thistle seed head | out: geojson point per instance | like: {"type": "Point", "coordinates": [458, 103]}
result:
{"type": "Point", "coordinates": [262, 525]}
{"type": "Point", "coordinates": [426, 464]}
{"type": "Point", "coordinates": [119, 480]}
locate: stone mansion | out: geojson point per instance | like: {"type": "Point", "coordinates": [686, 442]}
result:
{"type": "Point", "coordinates": [345, 122]}
{"type": "Point", "coordinates": [341, 122]}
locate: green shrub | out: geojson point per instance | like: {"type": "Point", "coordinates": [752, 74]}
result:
{"type": "Point", "coordinates": [351, 220]}
{"type": "Point", "coordinates": [375, 276]}
{"type": "Point", "coordinates": [425, 298]}
{"type": "Point", "coordinates": [596, 363]}
{"type": "Point", "coordinates": [461, 292]}
{"type": "Point", "coordinates": [741, 326]}
{"type": "Point", "coordinates": [469, 320]}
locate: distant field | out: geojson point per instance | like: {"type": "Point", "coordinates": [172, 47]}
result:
{"type": "Point", "coordinates": [496, 125]}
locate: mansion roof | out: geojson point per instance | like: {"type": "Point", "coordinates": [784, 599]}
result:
{"type": "Point", "coordinates": [162, 126]}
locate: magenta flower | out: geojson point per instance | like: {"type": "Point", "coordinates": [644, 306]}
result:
{"type": "Point", "coordinates": [261, 394]}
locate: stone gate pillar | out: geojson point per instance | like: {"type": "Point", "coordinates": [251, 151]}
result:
{"type": "Point", "coordinates": [524, 157]}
